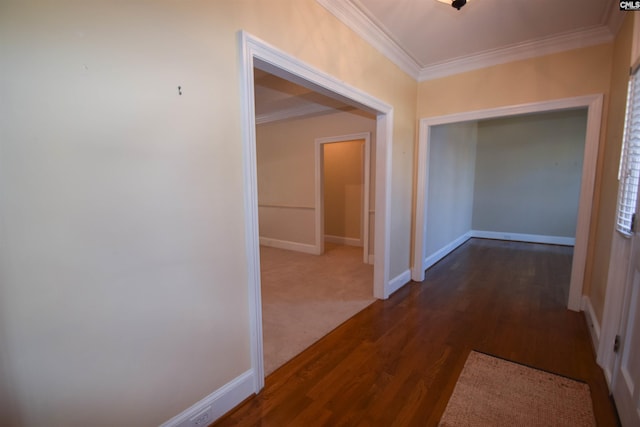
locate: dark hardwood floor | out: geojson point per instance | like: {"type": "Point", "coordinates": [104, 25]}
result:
{"type": "Point", "coordinates": [397, 361]}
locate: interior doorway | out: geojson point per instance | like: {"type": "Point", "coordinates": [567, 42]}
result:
{"type": "Point", "coordinates": [593, 104]}
{"type": "Point", "coordinates": [258, 54]}
{"type": "Point", "coordinates": [349, 191]}
{"type": "Point", "coordinates": [305, 293]}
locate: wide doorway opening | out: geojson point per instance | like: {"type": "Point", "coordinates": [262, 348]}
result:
{"type": "Point", "coordinates": [313, 213]}
{"type": "Point", "coordinates": [564, 206]}
{"type": "Point", "coordinates": [257, 55]}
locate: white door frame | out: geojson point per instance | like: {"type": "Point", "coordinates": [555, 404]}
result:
{"type": "Point", "coordinates": [593, 103]}
{"type": "Point", "coordinates": [319, 189]}
{"type": "Point", "coordinates": [255, 52]}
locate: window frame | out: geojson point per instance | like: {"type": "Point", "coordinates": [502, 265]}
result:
{"type": "Point", "coordinates": [629, 167]}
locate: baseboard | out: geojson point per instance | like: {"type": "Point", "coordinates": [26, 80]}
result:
{"type": "Point", "coordinates": [592, 322]}
{"type": "Point", "coordinates": [608, 376]}
{"type": "Point", "coordinates": [339, 240]}
{"type": "Point", "coordinates": [446, 250]}
{"type": "Point", "coordinates": [290, 246]}
{"type": "Point", "coordinates": [529, 238]}
{"type": "Point", "coordinates": [399, 281]}
{"type": "Point", "coordinates": [221, 401]}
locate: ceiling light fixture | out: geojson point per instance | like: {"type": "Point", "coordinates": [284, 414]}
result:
{"type": "Point", "coordinates": [455, 3]}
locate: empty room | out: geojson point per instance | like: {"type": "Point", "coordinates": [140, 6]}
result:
{"type": "Point", "coordinates": [514, 178]}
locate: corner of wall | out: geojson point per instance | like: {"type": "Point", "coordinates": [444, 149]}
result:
{"type": "Point", "coordinates": [399, 281]}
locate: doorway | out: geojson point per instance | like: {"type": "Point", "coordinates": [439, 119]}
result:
{"type": "Point", "coordinates": [258, 54]}
{"type": "Point", "coordinates": [348, 151]}
{"type": "Point", "coordinates": [306, 294]}
{"type": "Point", "coordinates": [593, 104]}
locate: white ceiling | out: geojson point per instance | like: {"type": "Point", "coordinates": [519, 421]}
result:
{"type": "Point", "coordinates": [430, 39]}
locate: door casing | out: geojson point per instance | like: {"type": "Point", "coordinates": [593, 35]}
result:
{"type": "Point", "coordinates": [593, 103]}
{"type": "Point", "coordinates": [319, 184]}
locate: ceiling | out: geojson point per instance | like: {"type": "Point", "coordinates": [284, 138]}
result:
{"type": "Point", "coordinates": [430, 39]}
{"type": "Point", "coordinates": [278, 99]}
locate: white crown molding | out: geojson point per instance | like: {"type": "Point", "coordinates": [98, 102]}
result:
{"type": "Point", "coordinates": [295, 112]}
{"type": "Point", "coordinates": [519, 51]}
{"type": "Point", "coordinates": [371, 32]}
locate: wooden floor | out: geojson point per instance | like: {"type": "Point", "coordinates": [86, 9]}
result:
{"type": "Point", "coordinates": [397, 361]}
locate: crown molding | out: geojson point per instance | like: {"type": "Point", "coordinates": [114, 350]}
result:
{"type": "Point", "coordinates": [297, 113]}
{"type": "Point", "coordinates": [371, 32]}
{"type": "Point", "coordinates": [519, 51]}
{"type": "Point", "coordinates": [290, 113]}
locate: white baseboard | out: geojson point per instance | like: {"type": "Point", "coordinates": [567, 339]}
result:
{"type": "Point", "coordinates": [399, 281]}
{"type": "Point", "coordinates": [446, 250]}
{"type": "Point", "coordinates": [592, 322]}
{"type": "Point", "coordinates": [290, 246]}
{"type": "Point", "coordinates": [529, 238]}
{"type": "Point", "coordinates": [221, 401]}
{"type": "Point", "coordinates": [348, 241]}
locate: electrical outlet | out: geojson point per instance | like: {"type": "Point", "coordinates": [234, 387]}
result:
{"type": "Point", "coordinates": [202, 418]}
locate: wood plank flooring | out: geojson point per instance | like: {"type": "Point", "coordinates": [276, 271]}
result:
{"type": "Point", "coordinates": [396, 362]}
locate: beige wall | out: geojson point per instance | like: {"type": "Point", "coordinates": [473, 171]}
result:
{"type": "Point", "coordinates": [123, 295]}
{"type": "Point", "coordinates": [343, 186]}
{"type": "Point", "coordinates": [577, 72]}
{"type": "Point", "coordinates": [561, 75]}
{"type": "Point", "coordinates": [285, 155]}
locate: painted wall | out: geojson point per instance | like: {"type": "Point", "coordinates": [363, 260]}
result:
{"type": "Point", "coordinates": [528, 173]}
{"type": "Point", "coordinates": [452, 159]}
{"type": "Point", "coordinates": [550, 77]}
{"type": "Point", "coordinates": [123, 288]}
{"type": "Point", "coordinates": [343, 186]}
{"type": "Point", "coordinates": [285, 154]}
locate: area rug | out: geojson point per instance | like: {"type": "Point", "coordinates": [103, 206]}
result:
{"type": "Point", "coordinates": [494, 392]}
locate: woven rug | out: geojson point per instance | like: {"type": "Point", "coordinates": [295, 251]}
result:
{"type": "Point", "coordinates": [495, 392]}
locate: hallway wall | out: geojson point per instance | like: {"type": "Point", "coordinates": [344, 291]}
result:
{"type": "Point", "coordinates": [124, 271]}
{"type": "Point", "coordinates": [286, 173]}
